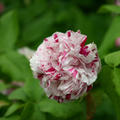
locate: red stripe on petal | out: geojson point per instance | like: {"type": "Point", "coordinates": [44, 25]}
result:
{"type": "Point", "coordinates": [69, 34]}
{"type": "Point", "coordinates": [57, 77]}
{"type": "Point", "coordinates": [75, 73]}
{"type": "Point", "coordinates": [78, 31]}
{"type": "Point", "coordinates": [89, 88]}
{"type": "Point", "coordinates": [40, 76]}
{"type": "Point", "coordinates": [56, 40]}
{"type": "Point", "coordinates": [84, 51]}
{"type": "Point", "coordinates": [51, 69]}
{"type": "Point", "coordinates": [68, 96]}
{"type": "Point", "coordinates": [55, 36]}
{"type": "Point", "coordinates": [83, 43]}
{"type": "Point", "coordinates": [46, 39]}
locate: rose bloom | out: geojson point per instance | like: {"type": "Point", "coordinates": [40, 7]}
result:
{"type": "Point", "coordinates": [117, 42]}
{"type": "Point", "coordinates": [27, 52]}
{"type": "Point", "coordinates": [1, 7]}
{"type": "Point", "coordinates": [65, 66]}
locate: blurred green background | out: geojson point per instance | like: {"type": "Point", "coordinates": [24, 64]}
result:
{"type": "Point", "coordinates": [27, 23]}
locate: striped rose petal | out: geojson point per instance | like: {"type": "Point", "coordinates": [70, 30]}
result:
{"type": "Point", "coordinates": [65, 66]}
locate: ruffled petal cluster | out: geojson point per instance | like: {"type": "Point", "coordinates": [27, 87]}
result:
{"type": "Point", "coordinates": [65, 66]}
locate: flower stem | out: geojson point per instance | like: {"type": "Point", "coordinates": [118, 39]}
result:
{"type": "Point", "coordinates": [91, 107]}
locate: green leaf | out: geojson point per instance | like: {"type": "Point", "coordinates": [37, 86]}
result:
{"type": "Point", "coordinates": [92, 25]}
{"type": "Point", "coordinates": [109, 8]}
{"type": "Point", "coordinates": [97, 96]}
{"type": "Point", "coordinates": [113, 59]}
{"type": "Point", "coordinates": [112, 34]}
{"type": "Point", "coordinates": [8, 31]}
{"type": "Point", "coordinates": [33, 90]}
{"type": "Point", "coordinates": [27, 111]}
{"type": "Point", "coordinates": [37, 28]}
{"type": "Point", "coordinates": [64, 110]}
{"type": "Point", "coordinates": [29, 13]}
{"type": "Point", "coordinates": [14, 117]}
{"type": "Point", "coordinates": [104, 109]}
{"type": "Point", "coordinates": [15, 66]}
{"type": "Point", "coordinates": [111, 78]}
{"type": "Point", "coordinates": [32, 112]}
{"type": "Point", "coordinates": [18, 94]}
{"type": "Point", "coordinates": [3, 86]}
{"type": "Point", "coordinates": [37, 115]}
{"type": "Point", "coordinates": [3, 103]}
{"type": "Point", "coordinates": [116, 80]}
{"type": "Point", "coordinates": [12, 109]}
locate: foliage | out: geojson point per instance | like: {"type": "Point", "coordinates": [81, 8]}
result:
{"type": "Point", "coordinates": [27, 23]}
